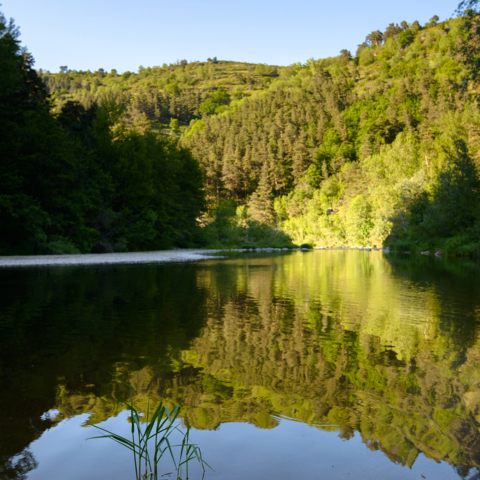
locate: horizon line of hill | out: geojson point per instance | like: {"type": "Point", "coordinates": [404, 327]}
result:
{"type": "Point", "coordinates": [379, 148]}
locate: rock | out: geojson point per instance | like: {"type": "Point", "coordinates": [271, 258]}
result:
{"type": "Point", "coordinates": [386, 250]}
{"type": "Point", "coordinates": [368, 249]}
{"type": "Point", "coordinates": [438, 253]}
{"type": "Point", "coordinates": [426, 252]}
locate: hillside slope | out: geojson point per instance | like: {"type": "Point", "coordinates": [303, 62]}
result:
{"type": "Point", "coordinates": [378, 148]}
{"type": "Point", "coordinates": [156, 95]}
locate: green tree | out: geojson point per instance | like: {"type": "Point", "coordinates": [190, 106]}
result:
{"type": "Point", "coordinates": [346, 55]}
{"type": "Point", "coordinates": [32, 200]}
{"type": "Point", "coordinates": [83, 179]}
{"type": "Point", "coordinates": [359, 220]}
{"type": "Point", "coordinates": [375, 38]}
{"type": "Point", "coordinates": [174, 125]}
{"type": "Point", "coordinates": [434, 20]}
{"type": "Point", "coordinates": [415, 27]}
{"type": "Point", "coordinates": [260, 204]}
{"type": "Point", "coordinates": [216, 103]}
{"type": "Point", "coordinates": [456, 199]}
{"type": "Point", "coordinates": [406, 37]}
{"type": "Point", "coordinates": [392, 31]}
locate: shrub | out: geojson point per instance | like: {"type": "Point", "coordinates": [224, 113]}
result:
{"type": "Point", "coordinates": [58, 246]}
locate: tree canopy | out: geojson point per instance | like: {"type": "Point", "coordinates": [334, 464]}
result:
{"type": "Point", "coordinates": [82, 180]}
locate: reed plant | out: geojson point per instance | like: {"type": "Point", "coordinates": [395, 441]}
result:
{"type": "Point", "coordinates": [151, 442]}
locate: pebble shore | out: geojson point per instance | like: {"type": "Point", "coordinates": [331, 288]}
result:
{"type": "Point", "coordinates": [108, 258]}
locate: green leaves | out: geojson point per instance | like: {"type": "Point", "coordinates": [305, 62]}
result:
{"type": "Point", "coordinates": [159, 428]}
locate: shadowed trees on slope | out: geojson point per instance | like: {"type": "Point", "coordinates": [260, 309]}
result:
{"type": "Point", "coordinates": [260, 204]}
{"type": "Point", "coordinates": [455, 205]}
{"type": "Point", "coordinates": [84, 180]}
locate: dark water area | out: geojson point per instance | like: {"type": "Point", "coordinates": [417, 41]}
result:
{"type": "Point", "coordinates": [327, 364]}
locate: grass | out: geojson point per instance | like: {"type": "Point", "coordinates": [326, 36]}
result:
{"type": "Point", "coordinates": [158, 429]}
{"type": "Point", "coordinates": [461, 245]}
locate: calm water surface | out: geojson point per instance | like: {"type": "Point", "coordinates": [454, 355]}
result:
{"type": "Point", "coordinates": [326, 364]}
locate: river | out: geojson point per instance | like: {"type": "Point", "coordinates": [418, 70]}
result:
{"type": "Point", "coordinates": [332, 364]}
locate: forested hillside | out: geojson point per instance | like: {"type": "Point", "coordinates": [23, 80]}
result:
{"type": "Point", "coordinates": [155, 96]}
{"type": "Point", "coordinates": [378, 147]}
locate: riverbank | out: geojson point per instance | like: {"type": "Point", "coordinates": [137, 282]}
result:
{"type": "Point", "coordinates": [164, 256]}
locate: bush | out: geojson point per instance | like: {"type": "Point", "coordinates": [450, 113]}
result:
{"type": "Point", "coordinates": [406, 37]}
{"type": "Point", "coordinates": [58, 246]}
{"type": "Point", "coordinates": [462, 245]}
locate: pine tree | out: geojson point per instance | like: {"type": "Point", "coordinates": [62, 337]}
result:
{"type": "Point", "coordinates": [260, 204]}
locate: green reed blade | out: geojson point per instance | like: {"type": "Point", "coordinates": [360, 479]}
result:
{"type": "Point", "coordinates": [160, 424]}
{"type": "Point", "coordinates": [121, 440]}
{"type": "Point", "coordinates": [171, 452]}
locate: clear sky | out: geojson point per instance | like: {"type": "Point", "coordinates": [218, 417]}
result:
{"type": "Point", "coordinates": [92, 34]}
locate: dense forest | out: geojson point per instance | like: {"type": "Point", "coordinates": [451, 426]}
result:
{"type": "Point", "coordinates": [79, 179]}
{"type": "Point", "coordinates": [379, 147]}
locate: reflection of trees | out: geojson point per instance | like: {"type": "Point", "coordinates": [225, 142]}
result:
{"type": "Point", "coordinates": [470, 473]}
{"type": "Point", "coordinates": [342, 342]}
{"type": "Point", "coordinates": [63, 329]}
{"type": "Point", "coordinates": [17, 467]}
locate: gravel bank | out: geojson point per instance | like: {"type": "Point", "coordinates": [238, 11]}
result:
{"type": "Point", "coordinates": [108, 258]}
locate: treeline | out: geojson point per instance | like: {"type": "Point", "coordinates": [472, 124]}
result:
{"type": "Point", "coordinates": [161, 97]}
{"type": "Point", "coordinates": [82, 180]}
{"type": "Point", "coordinates": [380, 147]}
{"type": "Point", "coordinates": [372, 149]}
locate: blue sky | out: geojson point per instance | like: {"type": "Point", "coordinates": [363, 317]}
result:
{"type": "Point", "coordinates": [121, 34]}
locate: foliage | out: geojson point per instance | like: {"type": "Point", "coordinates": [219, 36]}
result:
{"type": "Point", "coordinates": [231, 226]}
{"type": "Point", "coordinates": [352, 150]}
{"type": "Point", "coordinates": [455, 204]}
{"type": "Point", "coordinates": [334, 151]}
{"type": "Point", "coordinates": [159, 428]}
{"type": "Point", "coordinates": [182, 91]}
{"type": "Point", "coordinates": [86, 179]}
{"type": "Point", "coordinates": [466, 5]}
{"type": "Point", "coordinates": [215, 103]}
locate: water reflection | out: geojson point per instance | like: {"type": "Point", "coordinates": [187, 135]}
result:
{"type": "Point", "coordinates": [345, 341]}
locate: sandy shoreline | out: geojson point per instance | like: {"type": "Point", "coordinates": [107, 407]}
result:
{"type": "Point", "coordinates": [164, 256]}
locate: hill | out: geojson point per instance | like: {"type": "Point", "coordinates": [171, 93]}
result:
{"type": "Point", "coordinates": [380, 147]}
{"type": "Point", "coordinates": [156, 95]}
